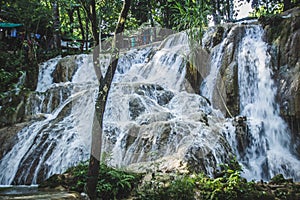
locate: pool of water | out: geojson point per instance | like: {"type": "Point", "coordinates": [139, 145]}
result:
{"type": "Point", "coordinates": [33, 192]}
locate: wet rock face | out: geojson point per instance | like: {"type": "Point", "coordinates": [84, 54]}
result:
{"type": "Point", "coordinates": [65, 69]}
{"type": "Point", "coordinates": [197, 69]}
{"type": "Point", "coordinates": [283, 33]}
{"type": "Point", "coordinates": [12, 109]}
{"type": "Point", "coordinates": [41, 103]}
{"type": "Point", "coordinates": [226, 91]}
{"type": "Point", "coordinates": [24, 106]}
{"type": "Point", "coordinates": [290, 100]}
{"type": "Point", "coordinates": [7, 111]}
{"type": "Point", "coordinates": [8, 137]}
{"type": "Point", "coordinates": [27, 106]}
{"type": "Point", "coordinates": [155, 92]}
{"type": "Point", "coordinates": [199, 156]}
{"type": "Point", "coordinates": [165, 127]}
{"type": "Point", "coordinates": [242, 135]}
{"type": "Point", "coordinates": [215, 38]}
{"type": "Point", "coordinates": [136, 107]}
{"type": "Point", "coordinates": [145, 93]}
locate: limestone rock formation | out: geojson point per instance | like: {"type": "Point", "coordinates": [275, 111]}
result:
{"type": "Point", "coordinates": [65, 69]}
{"type": "Point", "coordinates": [283, 33]}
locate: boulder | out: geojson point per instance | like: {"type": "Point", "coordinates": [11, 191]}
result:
{"type": "Point", "coordinates": [242, 135]}
{"type": "Point", "coordinates": [197, 69]}
{"type": "Point", "coordinates": [65, 69]}
{"type": "Point", "coordinates": [13, 108]}
{"type": "Point", "coordinates": [8, 137]}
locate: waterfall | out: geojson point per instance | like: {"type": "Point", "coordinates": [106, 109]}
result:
{"type": "Point", "coordinates": [208, 86]}
{"type": "Point", "coordinates": [151, 117]}
{"type": "Point", "coordinates": [45, 78]}
{"type": "Point", "coordinates": [267, 153]}
{"type": "Point", "coordinates": [62, 137]}
{"type": "Point", "coordinates": [151, 114]}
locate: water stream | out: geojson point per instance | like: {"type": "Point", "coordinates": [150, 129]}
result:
{"type": "Point", "coordinates": [61, 138]}
{"type": "Point", "coordinates": [268, 152]}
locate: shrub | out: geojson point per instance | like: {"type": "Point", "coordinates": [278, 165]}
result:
{"type": "Point", "coordinates": [228, 186]}
{"type": "Point", "coordinates": [112, 183]}
{"type": "Point", "coordinates": [162, 187]}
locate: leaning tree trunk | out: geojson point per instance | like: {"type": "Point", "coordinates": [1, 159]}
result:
{"type": "Point", "coordinates": [104, 86]}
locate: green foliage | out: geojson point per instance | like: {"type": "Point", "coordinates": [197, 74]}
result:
{"type": "Point", "coordinates": [230, 186]}
{"type": "Point", "coordinates": [11, 70]}
{"type": "Point", "coordinates": [268, 8]}
{"type": "Point", "coordinates": [79, 173]}
{"type": "Point", "coordinates": [233, 165]}
{"type": "Point", "coordinates": [173, 14]}
{"type": "Point", "coordinates": [173, 187]}
{"type": "Point", "coordinates": [112, 183]}
{"type": "Point", "coordinates": [35, 15]}
{"type": "Point", "coordinates": [267, 11]}
{"type": "Point", "coordinates": [192, 16]}
{"type": "Point", "coordinates": [278, 179]}
{"type": "Point", "coordinates": [109, 14]}
{"type": "Point", "coordinates": [287, 192]}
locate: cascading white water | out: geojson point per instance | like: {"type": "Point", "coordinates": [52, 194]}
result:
{"type": "Point", "coordinates": [62, 138]}
{"type": "Point", "coordinates": [45, 78]}
{"type": "Point", "coordinates": [149, 116]}
{"type": "Point", "coordinates": [165, 68]}
{"type": "Point", "coordinates": [268, 152]}
{"type": "Point", "coordinates": [208, 86]}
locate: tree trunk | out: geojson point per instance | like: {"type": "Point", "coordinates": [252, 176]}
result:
{"type": "Point", "coordinates": [81, 28]}
{"type": "Point", "coordinates": [167, 16]}
{"type": "Point", "coordinates": [90, 9]}
{"type": "Point", "coordinates": [56, 26]}
{"type": "Point", "coordinates": [150, 14]}
{"type": "Point", "coordinates": [94, 22]}
{"type": "Point", "coordinates": [104, 86]}
{"type": "Point", "coordinates": [71, 19]}
{"type": "Point", "coordinates": [287, 4]}
{"type": "Point", "coordinates": [87, 33]}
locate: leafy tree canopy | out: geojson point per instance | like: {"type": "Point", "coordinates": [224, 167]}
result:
{"type": "Point", "coordinates": [34, 15]}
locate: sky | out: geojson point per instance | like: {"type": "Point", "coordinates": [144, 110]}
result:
{"type": "Point", "coordinates": [244, 9]}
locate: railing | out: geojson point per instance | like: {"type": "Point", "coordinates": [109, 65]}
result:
{"type": "Point", "coordinates": [137, 40]}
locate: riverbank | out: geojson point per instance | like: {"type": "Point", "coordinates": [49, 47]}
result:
{"type": "Point", "coordinates": [228, 184]}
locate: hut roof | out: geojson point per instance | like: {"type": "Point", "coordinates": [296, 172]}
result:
{"type": "Point", "coordinates": [9, 25]}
